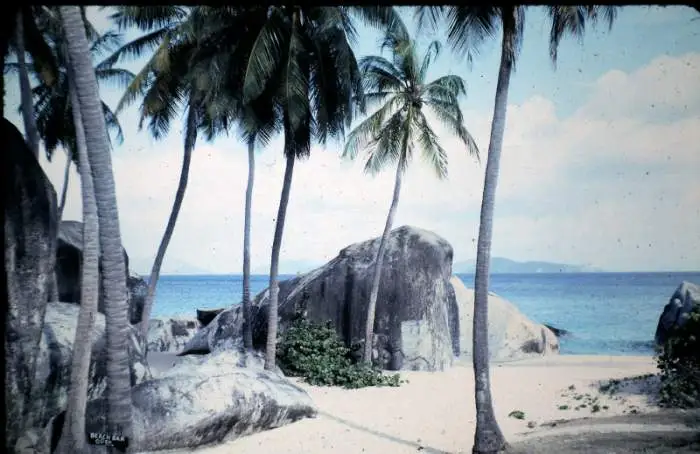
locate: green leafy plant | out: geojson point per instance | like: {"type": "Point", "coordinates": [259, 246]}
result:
{"type": "Point", "coordinates": [679, 363]}
{"type": "Point", "coordinates": [517, 414]}
{"type": "Point", "coordinates": [316, 353]}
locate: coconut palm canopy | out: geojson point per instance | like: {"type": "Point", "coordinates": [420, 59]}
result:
{"type": "Point", "coordinates": [52, 104]}
{"type": "Point", "coordinates": [400, 127]}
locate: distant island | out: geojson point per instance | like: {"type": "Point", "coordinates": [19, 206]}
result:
{"type": "Point", "coordinates": [500, 265]}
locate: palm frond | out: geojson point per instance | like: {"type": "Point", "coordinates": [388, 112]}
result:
{"type": "Point", "coordinates": [390, 145]}
{"type": "Point", "coordinates": [148, 18]}
{"type": "Point", "coordinates": [265, 55]}
{"type": "Point", "coordinates": [428, 17]}
{"type": "Point", "coordinates": [571, 20]}
{"type": "Point", "coordinates": [366, 135]}
{"type": "Point", "coordinates": [432, 151]}
{"type": "Point", "coordinates": [120, 77]}
{"type": "Point", "coordinates": [469, 26]}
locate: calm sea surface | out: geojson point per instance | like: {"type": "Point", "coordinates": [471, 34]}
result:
{"type": "Point", "coordinates": [606, 313]}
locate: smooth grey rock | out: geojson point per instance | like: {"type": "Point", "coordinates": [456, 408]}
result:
{"type": "Point", "coordinates": [170, 334]}
{"type": "Point", "coordinates": [416, 310]}
{"type": "Point", "coordinates": [30, 230]}
{"type": "Point", "coordinates": [54, 361]}
{"type": "Point", "coordinates": [68, 262]}
{"type": "Point", "coordinates": [511, 334]}
{"type": "Point", "coordinates": [204, 400]}
{"type": "Point", "coordinates": [684, 300]}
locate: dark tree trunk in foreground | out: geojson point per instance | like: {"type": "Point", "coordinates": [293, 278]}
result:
{"type": "Point", "coordinates": [73, 435]}
{"type": "Point", "coordinates": [113, 267]}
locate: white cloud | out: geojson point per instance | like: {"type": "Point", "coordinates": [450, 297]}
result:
{"type": "Point", "coordinates": [614, 185]}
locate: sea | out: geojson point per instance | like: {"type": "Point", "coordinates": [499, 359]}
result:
{"type": "Point", "coordinates": [604, 313]}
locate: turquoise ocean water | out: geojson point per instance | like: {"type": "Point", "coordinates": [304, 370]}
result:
{"type": "Point", "coordinates": [606, 313]}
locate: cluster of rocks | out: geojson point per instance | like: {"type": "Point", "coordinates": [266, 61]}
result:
{"type": "Point", "coordinates": [199, 401]}
{"type": "Point", "coordinates": [216, 391]}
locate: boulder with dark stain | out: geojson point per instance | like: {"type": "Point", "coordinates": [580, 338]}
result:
{"type": "Point", "coordinates": [30, 227]}
{"type": "Point", "coordinates": [416, 316]}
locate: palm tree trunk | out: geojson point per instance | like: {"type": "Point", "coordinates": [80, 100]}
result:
{"type": "Point", "coordinates": [113, 267]}
{"type": "Point", "coordinates": [247, 315]}
{"type": "Point", "coordinates": [378, 262]}
{"type": "Point", "coordinates": [66, 174]}
{"type": "Point", "coordinates": [271, 350]}
{"type": "Point", "coordinates": [30, 129]}
{"type": "Point", "coordinates": [169, 229]}
{"type": "Point", "coordinates": [488, 437]}
{"type": "Point", "coordinates": [73, 436]}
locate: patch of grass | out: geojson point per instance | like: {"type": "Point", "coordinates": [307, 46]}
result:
{"type": "Point", "coordinates": [563, 407]}
{"type": "Point", "coordinates": [595, 408]}
{"type": "Point", "coordinates": [517, 414]}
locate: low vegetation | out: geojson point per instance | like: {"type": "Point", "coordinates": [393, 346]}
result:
{"type": "Point", "coordinates": [679, 363]}
{"type": "Point", "coordinates": [316, 353]}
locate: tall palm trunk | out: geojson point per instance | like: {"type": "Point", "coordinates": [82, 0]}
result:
{"type": "Point", "coordinates": [66, 174]}
{"type": "Point", "coordinates": [247, 313]}
{"type": "Point", "coordinates": [378, 262]}
{"type": "Point", "coordinates": [271, 350]}
{"type": "Point", "coordinates": [488, 437]}
{"type": "Point", "coordinates": [113, 267]}
{"type": "Point", "coordinates": [73, 436]}
{"type": "Point", "coordinates": [30, 129]}
{"type": "Point", "coordinates": [170, 228]}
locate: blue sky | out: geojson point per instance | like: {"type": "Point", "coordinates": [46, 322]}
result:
{"type": "Point", "coordinates": [599, 166]}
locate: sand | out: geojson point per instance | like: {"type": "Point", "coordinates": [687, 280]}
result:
{"type": "Point", "coordinates": [434, 411]}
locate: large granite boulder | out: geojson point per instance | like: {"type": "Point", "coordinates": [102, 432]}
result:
{"type": "Point", "coordinates": [170, 334]}
{"type": "Point", "coordinates": [205, 316]}
{"type": "Point", "coordinates": [200, 401]}
{"type": "Point", "coordinates": [54, 361]}
{"type": "Point", "coordinates": [684, 300]}
{"type": "Point", "coordinates": [30, 228]}
{"type": "Point", "coordinates": [511, 334]}
{"type": "Point", "coordinates": [414, 307]}
{"type": "Point", "coordinates": [68, 261]}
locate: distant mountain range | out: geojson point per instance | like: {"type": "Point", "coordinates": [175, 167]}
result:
{"type": "Point", "coordinates": [500, 265]}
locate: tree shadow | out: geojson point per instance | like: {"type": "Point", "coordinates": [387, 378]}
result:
{"type": "Point", "coordinates": [647, 386]}
{"type": "Point", "coordinates": [392, 438]}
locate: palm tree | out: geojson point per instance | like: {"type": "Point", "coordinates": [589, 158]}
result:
{"type": "Point", "coordinates": [113, 266]}
{"type": "Point", "coordinates": [52, 106]}
{"type": "Point", "coordinates": [468, 27]}
{"type": "Point", "coordinates": [163, 84]}
{"type": "Point", "coordinates": [73, 435]}
{"type": "Point", "coordinates": [400, 126]}
{"type": "Point", "coordinates": [304, 55]}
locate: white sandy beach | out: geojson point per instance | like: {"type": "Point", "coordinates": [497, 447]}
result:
{"type": "Point", "coordinates": [435, 411]}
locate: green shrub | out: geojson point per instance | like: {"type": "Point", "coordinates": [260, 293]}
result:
{"type": "Point", "coordinates": [316, 353]}
{"type": "Point", "coordinates": [679, 363]}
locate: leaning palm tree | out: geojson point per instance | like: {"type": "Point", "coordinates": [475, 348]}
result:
{"type": "Point", "coordinates": [113, 266]}
{"type": "Point", "coordinates": [399, 127]}
{"type": "Point", "coordinates": [73, 435]}
{"type": "Point", "coordinates": [25, 88]}
{"type": "Point", "coordinates": [161, 85]}
{"type": "Point", "coordinates": [469, 27]}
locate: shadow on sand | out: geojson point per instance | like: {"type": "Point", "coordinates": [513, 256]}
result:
{"type": "Point", "coordinates": [667, 431]}
{"type": "Point", "coordinates": [412, 444]}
